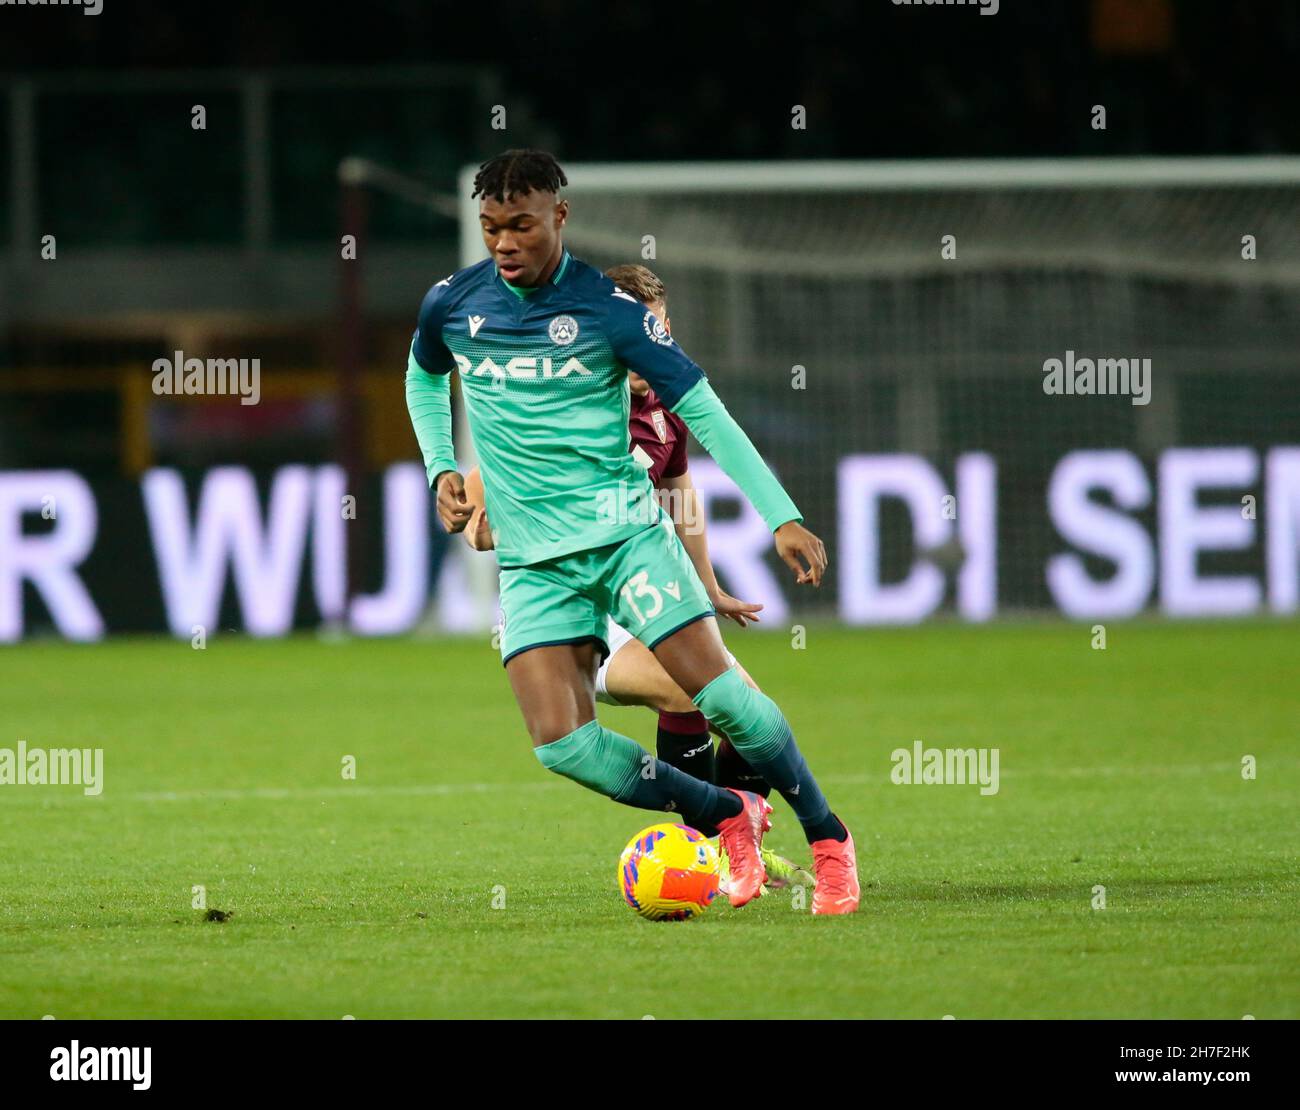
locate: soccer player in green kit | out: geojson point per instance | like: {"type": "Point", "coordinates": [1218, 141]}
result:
{"type": "Point", "coordinates": [543, 343]}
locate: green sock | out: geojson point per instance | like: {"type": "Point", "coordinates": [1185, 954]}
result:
{"type": "Point", "coordinates": [620, 768]}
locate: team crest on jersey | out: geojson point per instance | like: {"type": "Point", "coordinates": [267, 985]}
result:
{"type": "Point", "coordinates": [654, 328]}
{"type": "Point", "coordinates": [563, 329]}
{"type": "Point", "coordinates": [661, 424]}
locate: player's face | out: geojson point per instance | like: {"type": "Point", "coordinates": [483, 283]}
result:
{"type": "Point", "coordinates": [635, 382]}
{"type": "Point", "coordinates": [522, 233]}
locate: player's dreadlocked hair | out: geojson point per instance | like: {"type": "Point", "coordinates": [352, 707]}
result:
{"type": "Point", "coordinates": [516, 172]}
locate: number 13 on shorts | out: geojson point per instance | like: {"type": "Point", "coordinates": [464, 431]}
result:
{"type": "Point", "coordinates": [660, 590]}
{"type": "Point", "coordinates": [639, 586]}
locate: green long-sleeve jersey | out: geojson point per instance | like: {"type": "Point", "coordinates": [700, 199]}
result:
{"type": "Point", "coordinates": [544, 377]}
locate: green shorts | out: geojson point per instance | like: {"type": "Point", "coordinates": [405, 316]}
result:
{"type": "Point", "coordinates": [646, 583]}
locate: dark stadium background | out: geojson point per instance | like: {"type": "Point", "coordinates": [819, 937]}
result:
{"type": "Point", "coordinates": [224, 242]}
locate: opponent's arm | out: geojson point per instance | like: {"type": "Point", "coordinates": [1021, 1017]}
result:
{"type": "Point", "coordinates": [478, 533]}
{"type": "Point", "coordinates": [720, 435]}
{"type": "Point", "coordinates": [641, 343]}
{"type": "Point", "coordinates": [692, 530]}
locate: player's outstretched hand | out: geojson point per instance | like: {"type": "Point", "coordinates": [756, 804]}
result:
{"type": "Point", "coordinates": [454, 508]}
{"type": "Point", "coordinates": [734, 609]}
{"type": "Point", "coordinates": [794, 543]}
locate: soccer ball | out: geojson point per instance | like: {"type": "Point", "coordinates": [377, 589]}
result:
{"type": "Point", "coordinates": [668, 873]}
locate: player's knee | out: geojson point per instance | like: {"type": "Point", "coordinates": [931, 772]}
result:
{"type": "Point", "coordinates": [668, 697]}
{"type": "Point", "coordinates": [571, 753]}
{"type": "Point", "coordinates": [724, 701]}
{"type": "Point", "coordinates": [594, 758]}
{"type": "Point", "coordinates": [753, 721]}
{"type": "Point", "coordinates": [547, 728]}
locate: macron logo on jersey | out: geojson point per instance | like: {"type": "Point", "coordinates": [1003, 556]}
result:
{"type": "Point", "coordinates": [476, 322]}
{"type": "Point", "coordinates": [520, 367]}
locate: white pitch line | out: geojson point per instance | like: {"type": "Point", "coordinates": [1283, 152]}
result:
{"type": "Point", "coordinates": [287, 793]}
{"type": "Point", "coordinates": [279, 793]}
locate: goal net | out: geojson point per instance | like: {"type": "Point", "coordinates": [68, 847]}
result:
{"type": "Point", "coordinates": [990, 386]}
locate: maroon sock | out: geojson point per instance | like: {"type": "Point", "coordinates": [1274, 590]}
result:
{"type": "Point", "coordinates": [684, 742]}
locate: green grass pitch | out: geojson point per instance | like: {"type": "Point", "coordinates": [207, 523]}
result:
{"type": "Point", "coordinates": [1119, 767]}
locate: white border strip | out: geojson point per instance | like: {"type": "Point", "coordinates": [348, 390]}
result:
{"type": "Point", "coordinates": [1026, 173]}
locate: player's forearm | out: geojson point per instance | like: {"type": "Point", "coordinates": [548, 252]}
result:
{"type": "Point", "coordinates": [428, 400]}
{"type": "Point", "coordinates": [697, 548]}
{"type": "Point", "coordinates": [720, 435]}
{"type": "Point", "coordinates": [690, 530]}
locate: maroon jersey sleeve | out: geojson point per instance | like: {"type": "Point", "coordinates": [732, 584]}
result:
{"type": "Point", "coordinates": [677, 463]}
{"type": "Point", "coordinates": [658, 438]}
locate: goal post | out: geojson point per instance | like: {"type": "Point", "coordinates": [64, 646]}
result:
{"type": "Point", "coordinates": [912, 310]}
